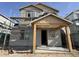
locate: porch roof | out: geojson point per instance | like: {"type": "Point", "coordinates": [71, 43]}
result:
{"type": "Point", "coordinates": [52, 15]}
{"type": "Point", "coordinates": [51, 20]}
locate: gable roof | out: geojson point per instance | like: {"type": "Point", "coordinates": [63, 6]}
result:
{"type": "Point", "coordinates": [71, 13]}
{"type": "Point", "coordinates": [35, 20]}
{"type": "Point", "coordinates": [6, 18]}
{"type": "Point", "coordinates": [29, 6]}
{"type": "Point", "coordinates": [68, 15]}
{"type": "Point", "coordinates": [47, 6]}
{"type": "Point", "coordinates": [37, 7]}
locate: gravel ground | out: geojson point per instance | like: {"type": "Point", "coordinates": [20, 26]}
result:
{"type": "Point", "coordinates": [5, 54]}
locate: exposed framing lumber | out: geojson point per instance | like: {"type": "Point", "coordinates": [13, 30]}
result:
{"type": "Point", "coordinates": [68, 39]}
{"type": "Point", "coordinates": [34, 38]}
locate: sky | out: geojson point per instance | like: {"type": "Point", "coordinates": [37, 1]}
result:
{"type": "Point", "coordinates": [12, 8]}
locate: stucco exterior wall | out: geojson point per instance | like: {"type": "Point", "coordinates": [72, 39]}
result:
{"type": "Point", "coordinates": [75, 38]}
{"type": "Point", "coordinates": [38, 37]}
{"type": "Point", "coordinates": [15, 38]}
{"type": "Point", "coordinates": [74, 28]}
{"type": "Point", "coordinates": [53, 37]}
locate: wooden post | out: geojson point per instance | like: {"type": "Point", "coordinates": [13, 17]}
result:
{"type": "Point", "coordinates": [68, 38]}
{"type": "Point", "coordinates": [34, 38]}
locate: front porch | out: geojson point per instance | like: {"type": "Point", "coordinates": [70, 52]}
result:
{"type": "Point", "coordinates": [44, 49]}
{"type": "Point", "coordinates": [54, 23]}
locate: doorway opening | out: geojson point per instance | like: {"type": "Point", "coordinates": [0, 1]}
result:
{"type": "Point", "coordinates": [44, 37]}
{"type": "Point", "coordinates": [63, 39]}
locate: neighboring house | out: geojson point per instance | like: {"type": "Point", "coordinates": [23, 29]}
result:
{"type": "Point", "coordinates": [40, 28]}
{"type": "Point", "coordinates": [5, 26]}
{"type": "Point", "coordinates": [74, 17]}
{"type": "Point", "coordinates": [5, 22]}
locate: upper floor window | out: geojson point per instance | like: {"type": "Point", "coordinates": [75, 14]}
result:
{"type": "Point", "coordinates": [30, 14]}
{"type": "Point", "coordinates": [33, 14]}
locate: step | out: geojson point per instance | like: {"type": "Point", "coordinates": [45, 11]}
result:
{"type": "Point", "coordinates": [46, 51]}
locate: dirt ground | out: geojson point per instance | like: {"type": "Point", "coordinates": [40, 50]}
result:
{"type": "Point", "coordinates": [5, 54]}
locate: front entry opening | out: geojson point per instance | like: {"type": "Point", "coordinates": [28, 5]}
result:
{"type": "Point", "coordinates": [63, 39]}
{"type": "Point", "coordinates": [44, 37]}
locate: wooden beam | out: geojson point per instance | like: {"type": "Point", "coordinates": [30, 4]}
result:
{"type": "Point", "coordinates": [69, 38]}
{"type": "Point", "coordinates": [34, 38]}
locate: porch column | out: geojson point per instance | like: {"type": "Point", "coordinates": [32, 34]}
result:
{"type": "Point", "coordinates": [34, 38]}
{"type": "Point", "coordinates": [68, 39]}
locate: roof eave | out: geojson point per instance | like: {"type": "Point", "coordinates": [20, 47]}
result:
{"type": "Point", "coordinates": [48, 7]}
{"type": "Point", "coordinates": [28, 6]}
{"type": "Point", "coordinates": [69, 22]}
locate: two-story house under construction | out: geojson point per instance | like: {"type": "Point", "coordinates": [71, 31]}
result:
{"type": "Point", "coordinates": [40, 28]}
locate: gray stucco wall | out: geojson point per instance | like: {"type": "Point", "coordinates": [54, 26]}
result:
{"type": "Point", "coordinates": [75, 38]}
{"type": "Point", "coordinates": [75, 34]}
{"type": "Point", "coordinates": [54, 38]}
{"type": "Point", "coordinates": [15, 38]}
{"type": "Point", "coordinates": [38, 37]}
{"type": "Point", "coordinates": [74, 28]}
